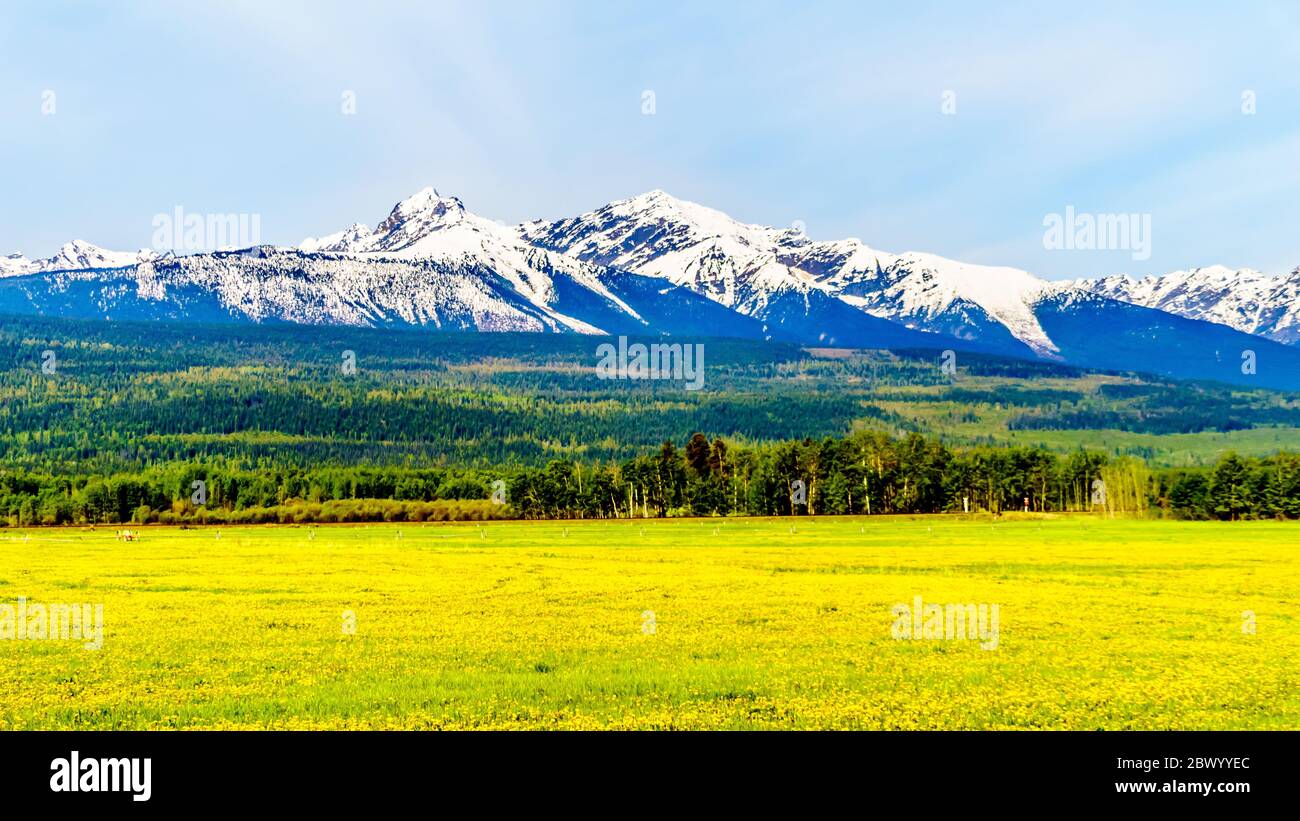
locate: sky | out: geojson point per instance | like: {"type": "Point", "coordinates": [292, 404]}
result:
{"type": "Point", "coordinates": [954, 128]}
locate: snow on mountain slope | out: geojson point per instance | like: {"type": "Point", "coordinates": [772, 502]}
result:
{"type": "Point", "coordinates": [1241, 298]}
{"type": "Point", "coordinates": [655, 264]}
{"type": "Point", "coordinates": [688, 244]}
{"type": "Point", "coordinates": [281, 285]}
{"type": "Point", "coordinates": [783, 278]}
{"type": "Point", "coordinates": [1095, 331]}
{"type": "Point", "coordinates": [429, 263]}
{"type": "Point", "coordinates": [737, 265]}
{"type": "Point", "coordinates": [747, 267]}
{"type": "Point", "coordinates": [931, 292]}
{"type": "Point", "coordinates": [338, 242]}
{"type": "Point", "coordinates": [428, 226]}
{"type": "Point", "coordinates": [752, 268]}
{"type": "Point", "coordinates": [73, 256]}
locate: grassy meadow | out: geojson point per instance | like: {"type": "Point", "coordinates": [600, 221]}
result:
{"type": "Point", "coordinates": [696, 624]}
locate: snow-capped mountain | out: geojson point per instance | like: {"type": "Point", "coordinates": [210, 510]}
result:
{"type": "Point", "coordinates": [75, 255]}
{"type": "Point", "coordinates": [428, 226]}
{"type": "Point", "coordinates": [283, 285]}
{"type": "Point", "coordinates": [748, 267]}
{"type": "Point", "coordinates": [1241, 298]}
{"type": "Point", "coordinates": [286, 285]}
{"type": "Point", "coordinates": [996, 305]}
{"type": "Point", "coordinates": [429, 263]}
{"type": "Point", "coordinates": [1099, 332]}
{"type": "Point", "coordinates": [438, 229]}
{"type": "Point", "coordinates": [688, 244]}
{"type": "Point", "coordinates": [339, 242]}
{"type": "Point", "coordinates": [751, 269]}
{"type": "Point", "coordinates": [654, 264]}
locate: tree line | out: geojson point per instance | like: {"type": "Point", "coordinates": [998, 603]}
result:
{"type": "Point", "coordinates": [869, 472]}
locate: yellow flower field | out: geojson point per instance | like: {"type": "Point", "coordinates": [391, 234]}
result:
{"type": "Point", "coordinates": [699, 624]}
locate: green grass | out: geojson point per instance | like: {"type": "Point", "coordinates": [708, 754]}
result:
{"type": "Point", "coordinates": [760, 623]}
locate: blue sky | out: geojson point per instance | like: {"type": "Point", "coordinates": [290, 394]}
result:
{"type": "Point", "coordinates": [830, 114]}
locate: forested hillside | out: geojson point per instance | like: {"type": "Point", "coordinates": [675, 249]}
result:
{"type": "Point", "coordinates": [108, 422]}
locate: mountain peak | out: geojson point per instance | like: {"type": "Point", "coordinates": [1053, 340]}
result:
{"type": "Point", "coordinates": [79, 254]}
{"type": "Point", "coordinates": [430, 261]}
{"type": "Point", "coordinates": [689, 222]}
{"type": "Point", "coordinates": [1217, 269]}
{"type": "Point", "coordinates": [658, 197]}
{"type": "Point", "coordinates": [1240, 298]}
{"type": "Point", "coordinates": [342, 241]}
{"type": "Point", "coordinates": [426, 207]}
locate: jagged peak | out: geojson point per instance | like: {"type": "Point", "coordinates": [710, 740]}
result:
{"type": "Point", "coordinates": [425, 205]}
{"type": "Point", "coordinates": [80, 245]}
{"type": "Point", "coordinates": [703, 220]}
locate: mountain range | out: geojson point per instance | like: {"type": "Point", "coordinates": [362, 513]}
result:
{"type": "Point", "coordinates": [75, 255]}
{"type": "Point", "coordinates": [1241, 298]}
{"type": "Point", "coordinates": [654, 264]}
